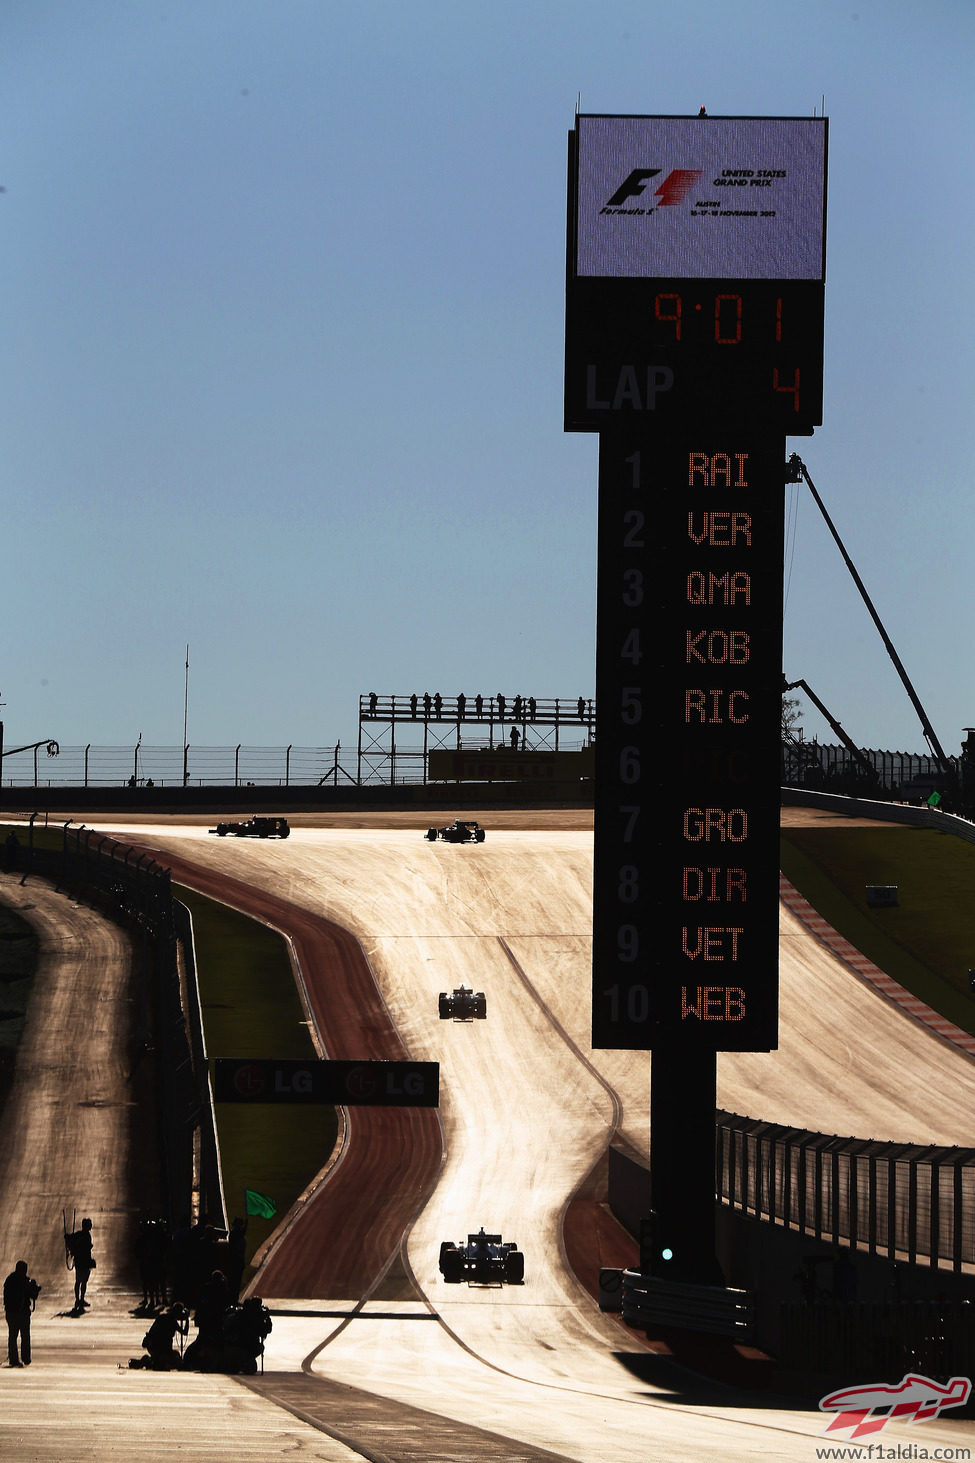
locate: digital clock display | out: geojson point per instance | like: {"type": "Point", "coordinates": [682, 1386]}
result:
{"type": "Point", "coordinates": [720, 317]}
{"type": "Point", "coordinates": [662, 352]}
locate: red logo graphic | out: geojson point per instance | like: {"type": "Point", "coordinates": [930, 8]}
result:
{"type": "Point", "coordinates": [870, 1408]}
{"type": "Point", "coordinates": [360, 1082]}
{"type": "Point", "coordinates": [249, 1081]}
{"type": "Point", "coordinates": [676, 186]}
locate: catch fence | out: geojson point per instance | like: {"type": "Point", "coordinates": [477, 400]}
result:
{"type": "Point", "coordinates": [148, 766]}
{"type": "Point", "coordinates": [385, 756]}
{"type": "Point", "coordinates": [901, 1201]}
{"type": "Point", "coordinates": [823, 766]}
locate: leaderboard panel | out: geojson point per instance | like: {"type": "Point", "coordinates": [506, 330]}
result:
{"type": "Point", "coordinates": [688, 678]}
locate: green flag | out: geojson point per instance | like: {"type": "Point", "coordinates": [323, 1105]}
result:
{"type": "Point", "coordinates": [259, 1204]}
{"type": "Point", "coordinates": [934, 800]}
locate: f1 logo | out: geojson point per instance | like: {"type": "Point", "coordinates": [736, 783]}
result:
{"type": "Point", "coordinates": [674, 189]}
{"type": "Point", "coordinates": [633, 186]}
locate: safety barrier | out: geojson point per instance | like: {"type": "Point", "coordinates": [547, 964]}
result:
{"type": "Point", "coordinates": [912, 815]}
{"type": "Point", "coordinates": [714, 1310]}
{"type": "Point", "coordinates": [860, 1341]}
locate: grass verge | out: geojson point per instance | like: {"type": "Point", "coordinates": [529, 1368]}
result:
{"type": "Point", "coordinates": [926, 941]}
{"type": "Point", "coordinates": [251, 1008]}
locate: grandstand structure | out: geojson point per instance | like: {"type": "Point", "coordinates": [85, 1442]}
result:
{"type": "Point", "coordinates": [398, 733]}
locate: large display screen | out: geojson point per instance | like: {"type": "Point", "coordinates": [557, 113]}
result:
{"type": "Point", "coordinates": [695, 273]}
{"type": "Point", "coordinates": [700, 198]}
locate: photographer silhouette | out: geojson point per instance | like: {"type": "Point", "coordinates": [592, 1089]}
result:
{"type": "Point", "coordinates": [20, 1293]}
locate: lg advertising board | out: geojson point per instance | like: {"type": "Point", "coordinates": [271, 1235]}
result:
{"type": "Point", "coordinates": [369, 1083]}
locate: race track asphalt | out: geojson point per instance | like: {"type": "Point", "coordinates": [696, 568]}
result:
{"type": "Point", "coordinates": [523, 1373]}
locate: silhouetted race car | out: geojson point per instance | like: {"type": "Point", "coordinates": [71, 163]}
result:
{"type": "Point", "coordinates": [484, 1260]}
{"type": "Point", "coordinates": [254, 828]}
{"type": "Point", "coordinates": [463, 1004]}
{"type": "Point", "coordinates": [461, 830]}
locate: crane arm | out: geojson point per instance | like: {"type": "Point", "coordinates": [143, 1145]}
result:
{"type": "Point", "coordinates": [848, 742]}
{"type": "Point", "coordinates": [797, 468]}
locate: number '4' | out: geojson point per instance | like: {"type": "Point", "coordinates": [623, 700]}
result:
{"type": "Point", "coordinates": [631, 648]}
{"type": "Point", "coordinates": [792, 390]}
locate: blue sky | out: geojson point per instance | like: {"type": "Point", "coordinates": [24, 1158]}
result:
{"type": "Point", "coordinates": [282, 288]}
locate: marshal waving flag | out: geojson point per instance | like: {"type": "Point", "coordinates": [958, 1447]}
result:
{"type": "Point", "coordinates": [259, 1204]}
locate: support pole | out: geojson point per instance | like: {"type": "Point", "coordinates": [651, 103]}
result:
{"type": "Point", "coordinates": [679, 1242]}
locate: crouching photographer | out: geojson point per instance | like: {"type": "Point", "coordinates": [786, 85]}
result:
{"type": "Point", "coordinates": [159, 1341]}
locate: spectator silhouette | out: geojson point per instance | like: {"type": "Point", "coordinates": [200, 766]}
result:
{"type": "Point", "coordinates": [19, 1294]}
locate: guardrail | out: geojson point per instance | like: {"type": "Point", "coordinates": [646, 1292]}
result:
{"type": "Point", "coordinates": [914, 815]}
{"type": "Point", "coordinates": [713, 1310]}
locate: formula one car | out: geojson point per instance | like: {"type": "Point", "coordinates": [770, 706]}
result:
{"type": "Point", "coordinates": [254, 828]}
{"type": "Point", "coordinates": [461, 830]}
{"type": "Point", "coordinates": [463, 1004]}
{"type": "Point", "coordinates": [484, 1260]}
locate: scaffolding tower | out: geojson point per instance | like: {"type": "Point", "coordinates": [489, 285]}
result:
{"type": "Point", "coordinates": [397, 733]}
